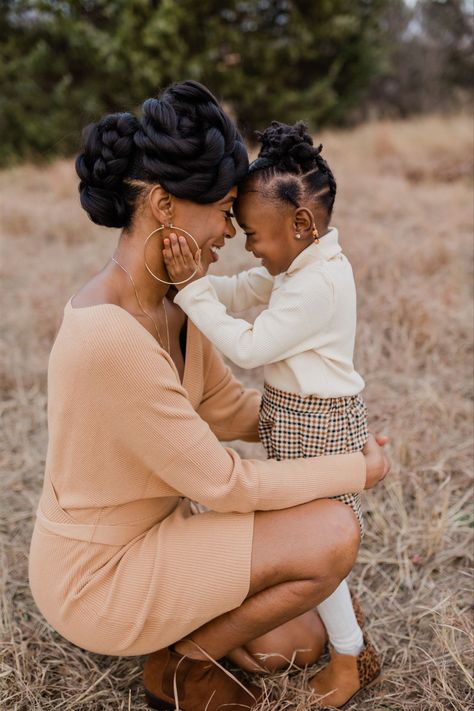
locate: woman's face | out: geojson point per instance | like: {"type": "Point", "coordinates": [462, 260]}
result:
{"type": "Point", "coordinates": [269, 230]}
{"type": "Point", "coordinates": [209, 224]}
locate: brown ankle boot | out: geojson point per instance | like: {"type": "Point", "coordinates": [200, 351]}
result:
{"type": "Point", "coordinates": [200, 684]}
{"type": "Point", "coordinates": [345, 675]}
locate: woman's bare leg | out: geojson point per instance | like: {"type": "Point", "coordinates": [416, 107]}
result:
{"type": "Point", "coordinates": [300, 641]}
{"type": "Point", "coordinates": [299, 557]}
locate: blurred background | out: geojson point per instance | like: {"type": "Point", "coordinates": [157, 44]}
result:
{"type": "Point", "coordinates": [385, 85]}
{"type": "Point", "coordinates": [330, 62]}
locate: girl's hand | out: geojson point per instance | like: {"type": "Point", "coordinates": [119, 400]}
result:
{"type": "Point", "coordinates": [376, 461]}
{"type": "Point", "coordinates": [179, 261]}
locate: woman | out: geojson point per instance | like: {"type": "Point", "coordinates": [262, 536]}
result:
{"type": "Point", "coordinates": [138, 400]}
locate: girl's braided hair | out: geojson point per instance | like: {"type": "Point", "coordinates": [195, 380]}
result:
{"type": "Point", "coordinates": [183, 141]}
{"type": "Point", "coordinates": [292, 166]}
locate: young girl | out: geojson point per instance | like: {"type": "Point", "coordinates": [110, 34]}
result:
{"type": "Point", "coordinates": [304, 338]}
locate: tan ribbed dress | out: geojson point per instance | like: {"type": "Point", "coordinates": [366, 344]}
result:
{"type": "Point", "coordinates": [118, 563]}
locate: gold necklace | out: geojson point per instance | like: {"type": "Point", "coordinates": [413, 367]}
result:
{"type": "Point", "coordinates": [146, 312]}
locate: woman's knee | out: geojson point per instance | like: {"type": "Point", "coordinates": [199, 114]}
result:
{"type": "Point", "coordinates": [309, 542]}
{"type": "Point", "coordinates": [335, 556]}
{"type": "Point", "coordinates": [343, 539]}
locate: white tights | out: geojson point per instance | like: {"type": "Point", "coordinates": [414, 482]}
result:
{"type": "Point", "coordinates": [338, 617]}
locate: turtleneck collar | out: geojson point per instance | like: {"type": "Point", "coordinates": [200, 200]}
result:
{"type": "Point", "coordinates": [327, 248]}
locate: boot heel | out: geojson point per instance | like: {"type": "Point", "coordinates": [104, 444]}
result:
{"type": "Point", "coordinates": [155, 703]}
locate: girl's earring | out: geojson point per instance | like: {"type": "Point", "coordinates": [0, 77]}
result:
{"type": "Point", "coordinates": [297, 235]}
{"type": "Point", "coordinates": [315, 234]}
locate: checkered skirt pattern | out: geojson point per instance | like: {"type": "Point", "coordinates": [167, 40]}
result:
{"type": "Point", "coordinates": [293, 426]}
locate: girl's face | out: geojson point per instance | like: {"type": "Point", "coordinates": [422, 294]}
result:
{"type": "Point", "coordinates": [269, 230]}
{"type": "Point", "coordinates": [209, 224]}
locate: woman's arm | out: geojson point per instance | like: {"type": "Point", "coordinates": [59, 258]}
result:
{"type": "Point", "coordinates": [230, 410]}
{"type": "Point", "coordinates": [152, 416]}
{"type": "Point", "coordinates": [244, 290]}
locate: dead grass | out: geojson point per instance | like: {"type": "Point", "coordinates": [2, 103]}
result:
{"type": "Point", "coordinates": [404, 209]}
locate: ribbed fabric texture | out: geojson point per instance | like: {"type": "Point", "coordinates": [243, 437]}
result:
{"type": "Point", "coordinates": [304, 337]}
{"type": "Point", "coordinates": [129, 445]}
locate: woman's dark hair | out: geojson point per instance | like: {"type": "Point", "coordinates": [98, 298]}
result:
{"type": "Point", "coordinates": [291, 168]}
{"type": "Point", "coordinates": [183, 140]}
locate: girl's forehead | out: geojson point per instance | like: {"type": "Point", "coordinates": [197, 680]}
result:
{"type": "Point", "coordinates": [254, 208]}
{"type": "Point", "coordinates": [248, 201]}
{"type": "Point", "coordinates": [248, 198]}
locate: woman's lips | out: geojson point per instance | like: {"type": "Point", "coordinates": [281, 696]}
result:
{"type": "Point", "coordinates": [214, 253]}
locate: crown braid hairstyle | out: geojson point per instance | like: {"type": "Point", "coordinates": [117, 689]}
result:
{"type": "Point", "coordinates": [292, 167]}
{"type": "Point", "coordinates": [183, 141]}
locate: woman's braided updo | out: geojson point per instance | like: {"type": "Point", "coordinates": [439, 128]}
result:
{"type": "Point", "coordinates": [183, 141]}
{"type": "Point", "coordinates": [292, 167]}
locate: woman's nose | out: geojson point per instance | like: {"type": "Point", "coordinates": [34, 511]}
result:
{"type": "Point", "coordinates": [230, 232]}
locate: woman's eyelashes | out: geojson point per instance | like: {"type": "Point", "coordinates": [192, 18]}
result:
{"type": "Point", "coordinates": [229, 214]}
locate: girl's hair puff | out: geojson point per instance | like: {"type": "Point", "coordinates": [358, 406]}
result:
{"type": "Point", "coordinates": [291, 168]}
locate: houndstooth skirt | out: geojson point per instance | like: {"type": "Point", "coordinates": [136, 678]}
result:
{"type": "Point", "coordinates": [292, 426]}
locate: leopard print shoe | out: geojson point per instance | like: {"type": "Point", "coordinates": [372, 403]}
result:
{"type": "Point", "coordinates": [345, 676]}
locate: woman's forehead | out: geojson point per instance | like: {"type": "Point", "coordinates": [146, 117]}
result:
{"type": "Point", "coordinates": [231, 195]}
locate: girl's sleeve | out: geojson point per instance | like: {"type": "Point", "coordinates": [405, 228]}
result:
{"type": "Point", "coordinates": [150, 412]}
{"type": "Point", "coordinates": [230, 410]}
{"type": "Point", "coordinates": [289, 327]}
{"type": "Point", "coordinates": [242, 291]}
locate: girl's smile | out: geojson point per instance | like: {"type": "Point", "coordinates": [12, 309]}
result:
{"type": "Point", "coordinates": [269, 231]}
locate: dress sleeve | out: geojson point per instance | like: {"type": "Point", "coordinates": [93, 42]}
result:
{"type": "Point", "coordinates": [230, 410]}
{"type": "Point", "coordinates": [152, 416]}
{"type": "Point", "coordinates": [242, 291]}
{"type": "Point", "coordinates": [287, 328]}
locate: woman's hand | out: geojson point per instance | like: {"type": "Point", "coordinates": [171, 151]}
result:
{"type": "Point", "coordinates": [376, 461]}
{"type": "Point", "coordinates": [179, 261]}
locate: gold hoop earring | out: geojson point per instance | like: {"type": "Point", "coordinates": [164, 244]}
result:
{"type": "Point", "coordinates": [198, 252]}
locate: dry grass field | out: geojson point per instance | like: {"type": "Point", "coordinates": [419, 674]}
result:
{"type": "Point", "coordinates": [404, 209]}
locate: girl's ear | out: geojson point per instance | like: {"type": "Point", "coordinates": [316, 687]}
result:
{"type": "Point", "coordinates": [303, 222]}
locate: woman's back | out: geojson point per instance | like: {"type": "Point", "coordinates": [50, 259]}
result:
{"type": "Point", "coordinates": [90, 410]}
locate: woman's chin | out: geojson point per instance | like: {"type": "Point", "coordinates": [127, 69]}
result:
{"type": "Point", "coordinates": [206, 262]}
{"type": "Point", "coordinates": [208, 258]}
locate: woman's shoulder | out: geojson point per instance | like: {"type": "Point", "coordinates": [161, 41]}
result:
{"type": "Point", "coordinates": [101, 320]}
{"type": "Point", "coordinates": [104, 335]}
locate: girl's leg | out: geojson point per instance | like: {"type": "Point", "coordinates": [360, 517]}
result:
{"type": "Point", "coordinates": [339, 618]}
{"type": "Point", "coordinates": [299, 557]}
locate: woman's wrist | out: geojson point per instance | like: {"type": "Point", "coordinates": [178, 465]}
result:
{"type": "Point", "coordinates": [376, 462]}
